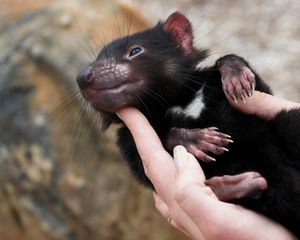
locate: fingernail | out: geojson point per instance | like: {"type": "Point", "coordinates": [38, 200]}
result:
{"type": "Point", "coordinates": [180, 156]}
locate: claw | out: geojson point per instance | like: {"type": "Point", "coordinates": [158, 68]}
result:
{"type": "Point", "coordinates": [242, 96]}
{"type": "Point", "coordinates": [226, 135]}
{"type": "Point", "coordinates": [252, 88]}
{"type": "Point", "coordinates": [249, 93]}
{"type": "Point", "coordinates": [200, 142]}
{"type": "Point", "coordinates": [210, 158]}
{"type": "Point", "coordinates": [245, 94]}
{"type": "Point", "coordinates": [233, 98]}
{"type": "Point", "coordinates": [224, 149]}
{"type": "Point", "coordinates": [202, 156]}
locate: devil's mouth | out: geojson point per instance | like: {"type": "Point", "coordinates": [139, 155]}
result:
{"type": "Point", "coordinates": [119, 88]}
{"type": "Point", "coordinates": [115, 89]}
{"type": "Point", "coordinates": [112, 98]}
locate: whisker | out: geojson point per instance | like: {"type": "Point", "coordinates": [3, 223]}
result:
{"type": "Point", "coordinates": [85, 38]}
{"type": "Point", "coordinates": [141, 101]}
{"type": "Point", "coordinates": [130, 18]}
{"type": "Point", "coordinates": [65, 105]}
{"type": "Point", "coordinates": [154, 94]}
{"type": "Point", "coordinates": [223, 39]}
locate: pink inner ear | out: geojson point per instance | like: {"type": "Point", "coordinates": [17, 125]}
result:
{"type": "Point", "coordinates": [181, 30]}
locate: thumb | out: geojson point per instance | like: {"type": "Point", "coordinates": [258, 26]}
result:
{"type": "Point", "coordinates": [264, 105]}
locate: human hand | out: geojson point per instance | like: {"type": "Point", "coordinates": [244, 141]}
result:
{"type": "Point", "coordinates": [264, 105]}
{"type": "Point", "coordinates": [183, 198]}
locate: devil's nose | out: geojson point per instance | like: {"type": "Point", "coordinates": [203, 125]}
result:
{"type": "Point", "coordinates": [85, 78]}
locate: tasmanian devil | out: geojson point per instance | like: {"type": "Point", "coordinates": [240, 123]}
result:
{"type": "Point", "coordinates": [156, 71]}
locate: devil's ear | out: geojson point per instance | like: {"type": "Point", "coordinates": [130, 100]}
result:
{"type": "Point", "coordinates": [180, 29]}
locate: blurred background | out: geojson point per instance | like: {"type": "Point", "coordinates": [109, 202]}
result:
{"type": "Point", "coordinates": [60, 178]}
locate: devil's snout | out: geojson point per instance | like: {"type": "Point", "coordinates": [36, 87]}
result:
{"type": "Point", "coordinates": [85, 78]}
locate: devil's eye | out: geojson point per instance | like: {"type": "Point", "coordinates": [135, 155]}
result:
{"type": "Point", "coordinates": [135, 51]}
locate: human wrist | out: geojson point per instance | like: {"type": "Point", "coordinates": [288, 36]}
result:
{"type": "Point", "coordinates": [264, 105]}
{"type": "Point", "coordinates": [221, 220]}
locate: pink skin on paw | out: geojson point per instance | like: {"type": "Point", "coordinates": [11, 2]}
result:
{"type": "Point", "coordinates": [248, 184]}
{"type": "Point", "coordinates": [238, 81]}
{"type": "Point", "coordinates": [199, 142]}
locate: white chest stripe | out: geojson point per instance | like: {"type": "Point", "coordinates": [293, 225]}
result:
{"type": "Point", "coordinates": [194, 108]}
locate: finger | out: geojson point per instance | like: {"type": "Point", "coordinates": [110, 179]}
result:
{"type": "Point", "coordinates": [180, 157]}
{"type": "Point", "coordinates": [185, 224]}
{"type": "Point", "coordinates": [159, 165]}
{"type": "Point", "coordinates": [141, 131]}
{"type": "Point", "coordinates": [161, 206]}
{"type": "Point", "coordinates": [163, 209]}
{"type": "Point", "coordinates": [264, 105]}
{"type": "Point", "coordinates": [188, 169]}
{"type": "Point", "coordinates": [195, 167]}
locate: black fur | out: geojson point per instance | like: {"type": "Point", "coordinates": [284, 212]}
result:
{"type": "Point", "coordinates": [271, 148]}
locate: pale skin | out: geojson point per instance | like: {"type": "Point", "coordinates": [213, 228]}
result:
{"type": "Point", "coordinates": [181, 194]}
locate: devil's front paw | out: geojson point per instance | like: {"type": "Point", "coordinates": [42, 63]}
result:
{"type": "Point", "coordinates": [199, 142]}
{"type": "Point", "coordinates": [238, 80]}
